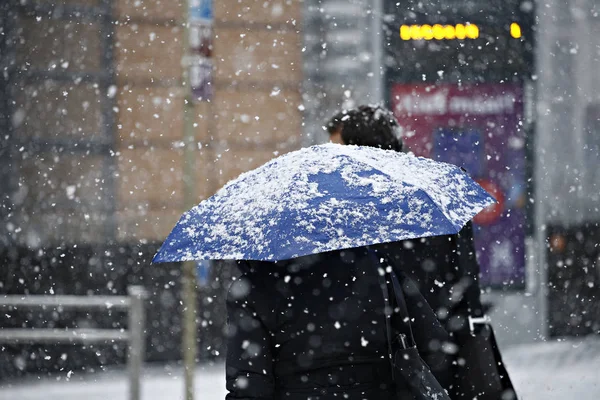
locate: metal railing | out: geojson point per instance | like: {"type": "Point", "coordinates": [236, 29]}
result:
{"type": "Point", "coordinates": [133, 304]}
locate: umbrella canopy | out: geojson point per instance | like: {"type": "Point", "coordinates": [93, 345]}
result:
{"type": "Point", "coordinates": [326, 198]}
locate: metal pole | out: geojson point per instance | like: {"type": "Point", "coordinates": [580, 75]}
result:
{"type": "Point", "coordinates": [377, 45]}
{"type": "Point", "coordinates": [542, 144]}
{"type": "Point", "coordinates": [189, 327]}
{"type": "Point", "coordinates": [137, 350]}
{"type": "Point", "coordinates": [109, 117]}
{"type": "Point", "coordinates": [189, 347]}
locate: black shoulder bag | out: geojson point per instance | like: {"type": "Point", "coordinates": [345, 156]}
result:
{"type": "Point", "coordinates": [479, 370]}
{"type": "Point", "coordinates": [408, 368]}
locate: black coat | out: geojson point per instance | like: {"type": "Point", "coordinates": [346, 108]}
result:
{"type": "Point", "coordinates": [446, 272]}
{"type": "Point", "coordinates": [314, 328]}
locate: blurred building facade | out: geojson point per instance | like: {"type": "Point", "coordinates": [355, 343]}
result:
{"type": "Point", "coordinates": [568, 103]}
{"type": "Point", "coordinates": [343, 44]}
{"type": "Point", "coordinates": [95, 105]}
{"type": "Point", "coordinates": [92, 149]}
{"type": "Point", "coordinates": [567, 158]}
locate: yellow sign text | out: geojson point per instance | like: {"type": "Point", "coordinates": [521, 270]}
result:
{"type": "Point", "coordinates": [439, 32]}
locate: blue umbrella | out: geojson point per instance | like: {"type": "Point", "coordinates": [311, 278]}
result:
{"type": "Point", "coordinates": [326, 198]}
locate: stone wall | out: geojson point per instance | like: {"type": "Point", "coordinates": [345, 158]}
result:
{"type": "Point", "coordinates": [98, 112]}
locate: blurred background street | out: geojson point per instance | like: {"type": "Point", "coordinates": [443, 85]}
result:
{"type": "Point", "coordinates": [118, 115]}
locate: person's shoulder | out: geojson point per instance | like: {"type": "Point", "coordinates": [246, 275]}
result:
{"type": "Point", "coordinates": [467, 230]}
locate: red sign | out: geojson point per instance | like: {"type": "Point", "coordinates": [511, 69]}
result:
{"type": "Point", "coordinates": [477, 127]}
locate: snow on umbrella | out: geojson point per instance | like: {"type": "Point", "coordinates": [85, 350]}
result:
{"type": "Point", "coordinates": [324, 198]}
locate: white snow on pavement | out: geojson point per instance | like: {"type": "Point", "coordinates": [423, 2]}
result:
{"type": "Point", "coordinates": [159, 383]}
{"type": "Point", "coordinates": [556, 370]}
{"type": "Point", "coordinates": [541, 371]}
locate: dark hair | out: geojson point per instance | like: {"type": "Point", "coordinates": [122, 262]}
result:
{"type": "Point", "coordinates": [373, 126]}
{"type": "Point", "coordinates": [335, 122]}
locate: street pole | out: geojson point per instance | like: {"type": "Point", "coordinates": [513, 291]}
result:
{"type": "Point", "coordinates": [189, 328]}
{"type": "Point", "coordinates": [377, 51]}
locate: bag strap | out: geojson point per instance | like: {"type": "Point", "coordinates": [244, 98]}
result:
{"type": "Point", "coordinates": [465, 257]}
{"type": "Point", "coordinates": [404, 328]}
{"type": "Point", "coordinates": [401, 303]}
{"type": "Point", "coordinates": [388, 311]}
{"type": "Point", "coordinates": [427, 386]}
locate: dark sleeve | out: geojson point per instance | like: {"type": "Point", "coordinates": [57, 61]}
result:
{"type": "Point", "coordinates": [469, 272]}
{"type": "Point", "coordinates": [249, 365]}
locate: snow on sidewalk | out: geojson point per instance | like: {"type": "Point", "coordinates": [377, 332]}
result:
{"type": "Point", "coordinates": [541, 371]}
{"type": "Point", "coordinates": [556, 370]}
{"type": "Point", "coordinates": [159, 383]}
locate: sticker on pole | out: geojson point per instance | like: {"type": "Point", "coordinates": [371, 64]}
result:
{"type": "Point", "coordinates": [201, 71]}
{"type": "Point", "coordinates": [203, 268]}
{"type": "Point", "coordinates": [200, 10]}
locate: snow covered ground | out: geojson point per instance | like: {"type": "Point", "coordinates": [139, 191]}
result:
{"type": "Point", "coordinates": [159, 383]}
{"type": "Point", "coordinates": [542, 371]}
{"type": "Point", "coordinates": [556, 370]}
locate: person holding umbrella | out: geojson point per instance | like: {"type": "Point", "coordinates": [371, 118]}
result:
{"type": "Point", "coordinates": [430, 262]}
{"type": "Point", "coordinates": [319, 312]}
{"type": "Point", "coordinates": [444, 268]}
